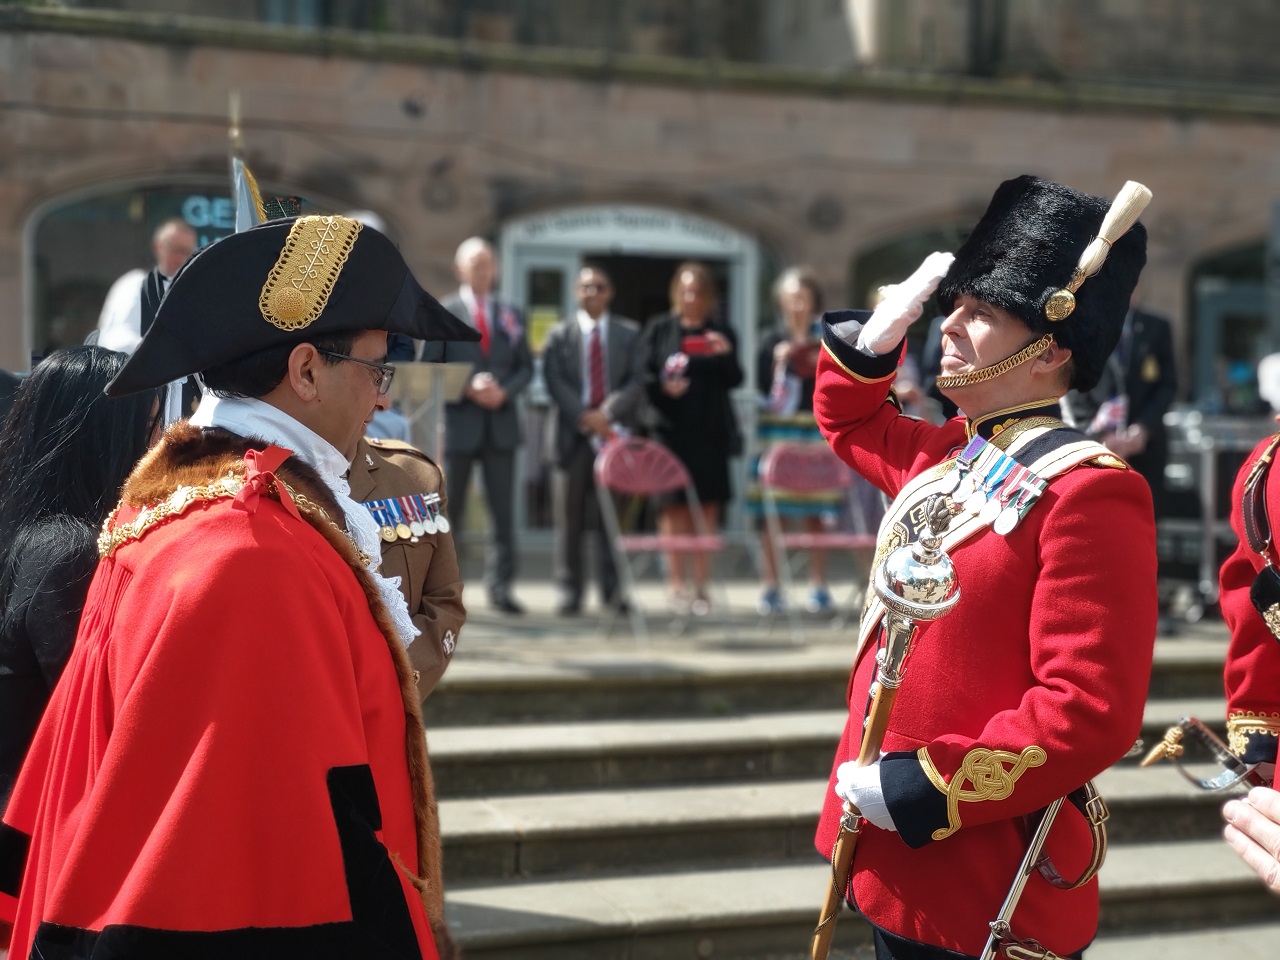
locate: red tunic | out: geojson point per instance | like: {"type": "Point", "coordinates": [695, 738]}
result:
{"type": "Point", "coordinates": [1050, 646]}
{"type": "Point", "coordinates": [1253, 657]}
{"type": "Point", "coordinates": [222, 770]}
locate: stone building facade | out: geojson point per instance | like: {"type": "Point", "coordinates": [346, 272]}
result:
{"type": "Point", "coordinates": [110, 119]}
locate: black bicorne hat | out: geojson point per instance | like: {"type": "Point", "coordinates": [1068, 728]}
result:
{"type": "Point", "coordinates": [282, 282]}
{"type": "Point", "coordinates": [1026, 247]}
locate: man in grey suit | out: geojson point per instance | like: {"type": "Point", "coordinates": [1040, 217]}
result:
{"type": "Point", "coordinates": [484, 426]}
{"type": "Point", "coordinates": [594, 371]}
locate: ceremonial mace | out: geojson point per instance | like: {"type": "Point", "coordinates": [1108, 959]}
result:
{"type": "Point", "coordinates": [916, 583]}
{"type": "Point", "coordinates": [1120, 216]}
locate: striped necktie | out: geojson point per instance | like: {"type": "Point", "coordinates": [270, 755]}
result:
{"type": "Point", "coordinates": [482, 324]}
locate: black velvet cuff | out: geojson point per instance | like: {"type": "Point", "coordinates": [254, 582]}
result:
{"type": "Point", "coordinates": [916, 805]}
{"type": "Point", "coordinates": [14, 846]}
{"type": "Point", "coordinates": [1260, 748]}
{"type": "Point", "coordinates": [854, 361]}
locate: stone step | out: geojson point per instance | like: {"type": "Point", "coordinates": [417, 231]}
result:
{"type": "Point", "coordinates": [699, 826]}
{"type": "Point", "coordinates": [1244, 942]}
{"type": "Point", "coordinates": [590, 684]}
{"type": "Point", "coordinates": [520, 758]}
{"type": "Point", "coordinates": [545, 680]}
{"type": "Point", "coordinates": [505, 760]}
{"type": "Point", "coordinates": [768, 910]}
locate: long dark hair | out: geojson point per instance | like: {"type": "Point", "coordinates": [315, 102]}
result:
{"type": "Point", "coordinates": [65, 449]}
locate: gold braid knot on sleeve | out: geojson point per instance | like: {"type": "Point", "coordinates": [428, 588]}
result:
{"type": "Point", "coordinates": [992, 773]}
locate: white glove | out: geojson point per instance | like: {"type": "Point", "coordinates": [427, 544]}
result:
{"type": "Point", "coordinates": [901, 306]}
{"type": "Point", "coordinates": [861, 787]}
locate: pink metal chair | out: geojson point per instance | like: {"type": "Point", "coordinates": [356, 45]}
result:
{"type": "Point", "coordinates": [804, 468]}
{"type": "Point", "coordinates": [642, 468]}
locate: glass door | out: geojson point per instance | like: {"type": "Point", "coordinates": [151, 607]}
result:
{"type": "Point", "coordinates": [543, 286]}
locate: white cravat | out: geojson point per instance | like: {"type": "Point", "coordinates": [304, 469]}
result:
{"type": "Point", "coordinates": [257, 418]}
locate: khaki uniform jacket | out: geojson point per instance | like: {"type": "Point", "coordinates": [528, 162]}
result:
{"type": "Point", "coordinates": [428, 569]}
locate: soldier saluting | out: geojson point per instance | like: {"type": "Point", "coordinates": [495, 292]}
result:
{"type": "Point", "coordinates": [1035, 682]}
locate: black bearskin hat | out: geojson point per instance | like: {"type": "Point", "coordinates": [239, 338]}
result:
{"type": "Point", "coordinates": [1027, 245]}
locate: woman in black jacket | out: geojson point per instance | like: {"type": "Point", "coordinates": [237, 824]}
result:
{"type": "Point", "coordinates": [65, 450]}
{"type": "Point", "coordinates": [692, 365]}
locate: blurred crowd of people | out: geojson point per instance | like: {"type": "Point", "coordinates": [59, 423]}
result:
{"type": "Point", "coordinates": [671, 378]}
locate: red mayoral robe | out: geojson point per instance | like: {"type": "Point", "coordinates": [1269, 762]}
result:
{"type": "Point", "coordinates": [233, 763]}
{"type": "Point", "coordinates": [1033, 684]}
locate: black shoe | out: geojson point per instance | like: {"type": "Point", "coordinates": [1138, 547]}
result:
{"type": "Point", "coordinates": [568, 608]}
{"type": "Point", "coordinates": [617, 604]}
{"type": "Point", "coordinates": [506, 604]}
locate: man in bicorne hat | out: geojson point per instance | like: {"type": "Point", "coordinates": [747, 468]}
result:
{"type": "Point", "coordinates": [233, 763]}
{"type": "Point", "coordinates": [1035, 681]}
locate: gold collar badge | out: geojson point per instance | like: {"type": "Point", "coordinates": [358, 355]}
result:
{"type": "Point", "coordinates": [299, 285]}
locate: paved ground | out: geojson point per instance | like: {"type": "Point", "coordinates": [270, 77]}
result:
{"type": "Point", "coordinates": [732, 622]}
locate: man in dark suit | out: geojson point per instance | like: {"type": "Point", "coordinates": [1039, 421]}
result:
{"type": "Point", "coordinates": [594, 371]}
{"type": "Point", "coordinates": [1126, 409]}
{"type": "Point", "coordinates": [1142, 372]}
{"type": "Point", "coordinates": [484, 426]}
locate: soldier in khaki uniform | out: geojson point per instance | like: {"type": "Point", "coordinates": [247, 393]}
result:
{"type": "Point", "coordinates": [426, 564]}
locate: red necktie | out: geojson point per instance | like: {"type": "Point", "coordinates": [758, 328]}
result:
{"type": "Point", "coordinates": [482, 324]}
{"type": "Point", "coordinates": [596, 360]}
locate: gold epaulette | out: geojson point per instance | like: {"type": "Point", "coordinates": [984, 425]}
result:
{"type": "Point", "coordinates": [1108, 460]}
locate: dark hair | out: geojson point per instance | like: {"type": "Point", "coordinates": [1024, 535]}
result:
{"type": "Point", "coordinates": [65, 448]}
{"type": "Point", "coordinates": [701, 273]}
{"type": "Point", "coordinates": [259, 373]}
{"type": "Point", "coordinates": [806, 278]}
{"type": "Point", "coordinates": [596, 268]}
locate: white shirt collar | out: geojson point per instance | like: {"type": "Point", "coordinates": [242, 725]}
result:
{"type": "Point", "coordinates": [470, 298]}
{"type": "Point", "coordinates": [257, 418]}
{"type": "Point", "coordinates": [586, 324]}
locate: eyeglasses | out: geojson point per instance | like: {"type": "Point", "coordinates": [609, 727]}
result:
{"type": "Point", "coordinates": [385, 370]}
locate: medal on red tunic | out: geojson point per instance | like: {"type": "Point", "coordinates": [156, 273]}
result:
{"type": "Point", "coordinates": [1027, 492]}
{"type": "Point", "coordinates": [963, 486]}
{"type": "Point", "coordinates": [1002, 494]}
{"type": "Point", "coordinates": [983, 466]}
{"type": "Point", "coordinates": [991, 484]}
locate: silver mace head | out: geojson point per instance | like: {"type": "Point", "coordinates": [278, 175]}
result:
{"type": "Point", "coordinates": [918, 581]}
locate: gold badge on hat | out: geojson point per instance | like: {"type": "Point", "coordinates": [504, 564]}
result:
{"type": "Point", "coordinates": [299, 285]}
{"type": "Point", "coordinates": [1122, 214]}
